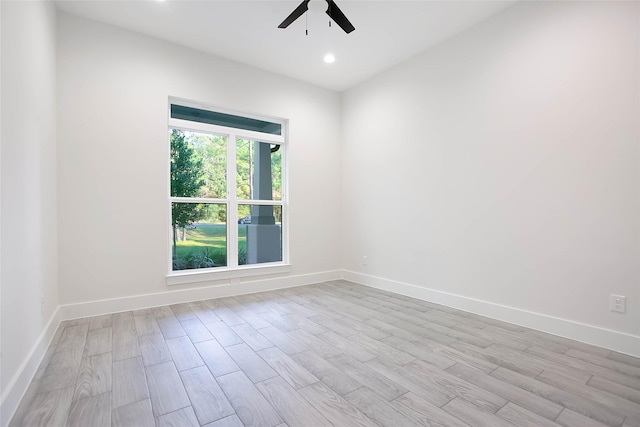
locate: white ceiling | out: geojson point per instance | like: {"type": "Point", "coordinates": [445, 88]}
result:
{"type": "Point", "coordinates": [387, 32]}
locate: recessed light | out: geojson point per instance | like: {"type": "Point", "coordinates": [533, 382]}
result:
{"type": "Point", "coordinates": [329, 58]}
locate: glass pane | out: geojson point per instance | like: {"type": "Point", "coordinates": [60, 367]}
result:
{"type": "Point", "coordinates": [259, 234]}
{"type": "Point", "coordinates": [198, 165]}
{"type": "Point", "coordinates": [199, 235]}
{"type": "Point", "coordinates": [221, 119]}
{"type": "Point", "coordinates": [259, 170]}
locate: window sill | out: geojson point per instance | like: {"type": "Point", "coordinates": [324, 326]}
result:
{"type": "Point", "coordinates": [206, 275]}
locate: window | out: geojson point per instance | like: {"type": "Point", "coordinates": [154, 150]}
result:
{"type": "Point", "coordinates": [227, 190]}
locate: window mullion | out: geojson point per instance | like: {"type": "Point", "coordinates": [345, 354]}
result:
{"type": "Point", "coordinates": [232, 206]}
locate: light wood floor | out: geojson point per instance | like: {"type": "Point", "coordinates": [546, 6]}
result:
{"type": "Point", "coordinates": [330, 354]}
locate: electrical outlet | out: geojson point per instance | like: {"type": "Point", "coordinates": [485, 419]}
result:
{"type": "Point", "coordinates": [617, 303]}
{"type": "Point", "coordinates": [364, 260]}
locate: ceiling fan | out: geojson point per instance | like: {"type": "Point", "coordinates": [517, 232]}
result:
{"type": "Point", "coordinates": [333, 11]}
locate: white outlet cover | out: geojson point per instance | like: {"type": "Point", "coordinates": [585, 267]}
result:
{"type": "Point", "coordinates": [617, 303]}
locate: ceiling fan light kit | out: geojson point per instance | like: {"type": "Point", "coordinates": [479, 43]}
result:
{"type": "Point", "coordinates": [333, 11]}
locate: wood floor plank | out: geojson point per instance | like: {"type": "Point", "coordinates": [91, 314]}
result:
{"type": "Point", "coordinates": [473, 415]}
{"type": "Point", "coordinates": [588, 348]}
{"type": "Point", "coordinates": [419, 352]}
{"type": "Point", "coordinates": [146, 325]}
{"type": "Point", "coordinates": [286, 343]}
{"type": "Point", "coordinates": [23, 407]}
{"type": "Point", "coordinates": [123, 322]}
{"type": "Point", "coordinates": [99, 322]}
{"type": "Point", "coordinates": [73, 337]}
{"type": "Point", "coordinates": [392, 330]}
{"type": "Point", "coordinates": [287, 368]}
{"type": "Point", "coordinates": [609, 374]}
{"type": "Point", "coordinates": [251, 364]}
{"type": "Point", "coordinates": [424, 413]}
{"type": "Point", "coordinates": [615, 403]}
{"type": "Point", "coordinates": [569, 400]}
{"type": "Point", "coordinates": [355, 350]}
{"type": "Point", "coordinates": [125, 345]}
{"type": "Point", "coordinates": [519, 357]}
{"type": "Point", "coordinates": [227, 316]}
{"type": "Point", "coordinates": [203, 312]}
{"type": "Point", "coordinates": [62, 370]}
{"type": "Point", "coordinates": [401, 377]}
{"type": "Point", "coordinates": [183, 353]}
{"type": "Point", "coordinates": [279, 322]}
{"type": "Point", "coordinates": [376, 408]}
{"type": "Point", "coordinates": [453, 386]}
{"type": "Point", "coordinates": [252, 337]}
{"type": "Point", "coordinates": [424, 332]}
{"type": "Point", "coordinates": [45, 362]}
{"type": "Point", "coordinates": [569, 418]}
{"type": "Point", "coordinates": [321, 347]}
{"type": "Point", "coordinates": [524, 337]}
{"type": "Point", "coordinates": [508, 391]}
{"type": "Point", "coordinates": [98, 341]}
{"type": "Point", "coordinates": [458, 335]}
{"type": "Point", "coordinates": [384, 387]}
{"type": "Point", "coordinates": [494, 337]}
{"type": "Point", "coordinates": [154, 349]}
{"type": "Point", "coordinates": [612, 387]}
{"type": "Point", "coordinates": [253, 318]}
{"type": "Point", "coordinates": [250, 405]}
{"type": "Point", "coordinates": [334, 407]}
{"type": "Point", "coordinates": [605, 362]}
{"type": "Point", "coordinates": [165, 389]}
{"type": "Point", "coordinates": [162, 312]}
{"type": "Point", "coordinates": [522, 417]}
{"type": "Point", "coordinates": [232, 421]}
{"type": "Point", "coordinates": [223, 334]}
{"type": "Point", "coordinates": [381, 349]}
{"type": "Point", "coordinates": [49, 408]}
{"type": "Point", "coordinates": [184, 417]}
{"type": "Point", "coordinates": [206, 396]}
{"type": "Point", "coordinates": [304, 324]}
{"type": "Point", "coordinates": [624, 358]}
{"type": "Point", "coordinates": [58, 333]}
{"type": "Point", "coordinates": [94, 377]}
{"type": "Point", "coordinates": [196, 331]}
{"type": "Point", "coordinates": [334, 325]}
{"type": "Point", "coordinates": [525, 368]}
{"type": "Point", "coordinates": [463, 358]}
{"type": "Point", "coordinates": [182, 312]}
{"type": "Point", "coordinates": [129, 382]}
{"type": "Point", "coordinates": [451, 319]}
{"type": "Point", "coordinates": [92, 411]}
{"type": "Point", "coordinates": [295, 410]}
{"type": "Point", "coordinates": [170, 326]}
{"type": "Point", "coordinates": [217, 360]}
{"type": "Point", "coordinates": [138, 414]}
{"type": "Point", "coordinates": [361, 327]}
{"type": "Point", "coordinates": [333, 377]}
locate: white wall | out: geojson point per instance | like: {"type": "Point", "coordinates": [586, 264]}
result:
{"type": "Point", "coordinates": [503, 165]}
{"type": "Point", "coordinates": [114, 87]}
{"type": "Point", "coordinates": [29, 218]}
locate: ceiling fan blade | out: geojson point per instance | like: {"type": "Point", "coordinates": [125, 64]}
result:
{"type": "Point", "coordinates": [338, 17]}
{"type": "Point", "coordinates": [297, 13]}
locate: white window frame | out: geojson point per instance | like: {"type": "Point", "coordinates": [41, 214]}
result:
{"type": "Point", "coordinates": [232, 135]}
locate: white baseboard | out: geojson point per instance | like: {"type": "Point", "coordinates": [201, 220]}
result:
{"type": "Point", "coordinates": [116, 305]}
{"type": "Point", "coordinates": [20, 381]}
{"type": "Point", "coordinates": [601, 337]}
